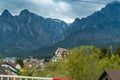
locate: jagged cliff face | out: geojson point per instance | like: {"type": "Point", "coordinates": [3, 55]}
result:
{"type": "Point", "coordinates": [28, 31]}
{"type": "Point", "coordinates": [102, 28]}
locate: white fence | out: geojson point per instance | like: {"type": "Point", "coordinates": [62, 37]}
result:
{"type": "Point", "coordinates": [9, 77]}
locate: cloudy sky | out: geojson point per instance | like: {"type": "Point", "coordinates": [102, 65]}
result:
{"type": "Point", "coordinates": [66, 10]}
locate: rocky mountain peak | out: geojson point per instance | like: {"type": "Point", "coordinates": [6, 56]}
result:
{"type": "Point", "coordinates": [77, 20]}
{"type": "Point", "coordinates": [114, 3]}
{"type": "Point", "coordinates": [112, 9]}
{"type": "Point", "coordinates": [6, 13]}
{"type": "Point", "coordinates": [25, 12]}
{"type": "Point", "coordinates": [28, 32]}
{"type": "Point", "coordinates": [33, 32]}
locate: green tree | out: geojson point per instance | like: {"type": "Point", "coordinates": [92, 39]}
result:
{"type": "Point", "coordinates": [105, 53]}
{"type": "Point", "coordinates": [117, 52]}
{"type": "Point", "coordinates": [28, 71]}
{"type": "Point", "coordinates": [20, 62]}
{"type": "Point", "coordinates": [82, 66]}
{"type": "Point", "coordinates": [82, 63]}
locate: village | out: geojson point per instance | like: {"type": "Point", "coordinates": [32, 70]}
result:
{"type": "Point", "coordinates": [11, 65]}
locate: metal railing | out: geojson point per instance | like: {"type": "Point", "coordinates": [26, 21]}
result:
{"type": "Point", "coordinates": [10, 77]}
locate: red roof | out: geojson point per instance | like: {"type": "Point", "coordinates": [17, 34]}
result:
{"type": "Point", "coordinates": [62, 79]}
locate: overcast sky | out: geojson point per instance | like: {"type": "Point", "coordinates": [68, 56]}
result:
{"type": "Point", "coordinates": [66, 10]}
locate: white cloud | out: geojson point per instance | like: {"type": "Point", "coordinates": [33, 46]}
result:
{"type": "Point", "coordinates": [64, 7]}
{"type": "Point", "coordinates": [43, 2]}
{"type": "Point", "coordinates": [66, 10]}
{"type": "Point", "coordinates": [51, 8]}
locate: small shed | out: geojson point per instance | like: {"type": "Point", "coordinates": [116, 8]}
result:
{"type": "Point", "coordinates": [110, 75]}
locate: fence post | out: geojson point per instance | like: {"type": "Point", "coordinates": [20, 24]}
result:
{"type": "Point", "coordinates": [8, 78]}
{"type": "Point", "coordinates": [14, 78]}
{"type": "Point", "coordinates": [1, 78]}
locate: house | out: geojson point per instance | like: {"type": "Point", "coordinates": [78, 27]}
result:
{"type": "Point", "coordinates": [28, 62]}
{"type": "Point", "coordinates": [11, 60]}
{"type": "Point", "coordinates": [17, 66]}
{"type": "Point", "coordinates": [59, 54]}
{"type": "Point", "coordinates": [110, 75]}
{"type": "Point", "coordinates": [2, 72]}
{"type": "Point", "coordinates": [9, 68]}
{"type": "Point", "coordinates": [41, 65]}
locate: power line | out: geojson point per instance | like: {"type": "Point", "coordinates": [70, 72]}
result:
{"type": "Point", "coordinates": [94, 2]}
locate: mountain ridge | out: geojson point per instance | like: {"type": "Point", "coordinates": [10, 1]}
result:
{"type": "Point", "coordinates": [102, 28]}
{"type": "Point", "coordinates": [20, 34]}
{"type": "Point", "coordinates": [29, 33]}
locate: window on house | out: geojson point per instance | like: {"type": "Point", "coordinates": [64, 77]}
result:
{"type": "Point", "coordinates": [106, 79]}
{"type": "Point", "coordinates": [58, 52]}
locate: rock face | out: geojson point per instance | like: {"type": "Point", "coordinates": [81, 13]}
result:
{"type": "Point", "coordinates": [26, 32]}
{"type": "Point", "coordinates": [102, 28]}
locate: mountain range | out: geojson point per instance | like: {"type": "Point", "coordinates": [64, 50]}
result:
{"type": "Point", "coordinates": [29, 33]}
{"type": "Point", "coordinates": [102, 28]}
